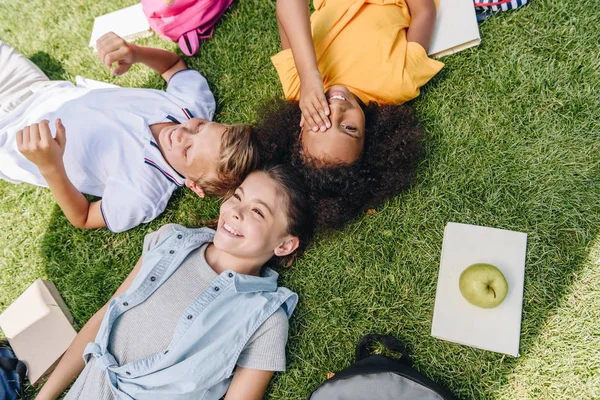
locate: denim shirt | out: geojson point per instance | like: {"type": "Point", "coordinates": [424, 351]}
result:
{"type": "Point", "coordinates": [209, 336]}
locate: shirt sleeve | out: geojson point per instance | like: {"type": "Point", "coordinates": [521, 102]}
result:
{"type": "Point", "coordinates": [419, 66]}
{"type": "Point", "coordinates": [123, 206]}
{"type": "Point", "coordinates": [288, 74]}
{"type": "Point", "coordinates": [318, 4]}
{"type": "Point", "coordinates": [152, 238]}
{"type": "Point", "coordinates": [266, 348]}
{"type": "Point", "coordinates": [192, 89]}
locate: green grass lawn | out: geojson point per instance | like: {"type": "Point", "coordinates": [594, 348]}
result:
{"type": "Point", "coordinates": [512, 140]}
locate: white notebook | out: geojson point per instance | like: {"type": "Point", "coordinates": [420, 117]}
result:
{"type": "Point", "coordinates": [456, 28]}
{"type": "Point", "coordinates": [39, 328]}
{"type": "Point", "coordinates": [456, 320]}
{"type": "Point", "coordinates": [130, 23]}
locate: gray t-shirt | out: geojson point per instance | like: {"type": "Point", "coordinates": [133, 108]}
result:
{"type": "Point", "coordinates": [147, 329]}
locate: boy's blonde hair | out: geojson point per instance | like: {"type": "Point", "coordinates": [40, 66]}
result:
{"type": "Point", "coordinates": [238, 157]}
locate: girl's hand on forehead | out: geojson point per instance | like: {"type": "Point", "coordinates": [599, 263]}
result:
{"type": "Point", "coordinates": [114, 49]}
{"type": "Point", "coordinates": [313, 103]}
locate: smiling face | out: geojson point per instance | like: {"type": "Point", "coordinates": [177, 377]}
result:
{"type": "Point", "coordinates": [192, 148]}
{"type": "Point", "coordinates": [345, 139]}
{"type": "Point", "coordinates": [253, 223]}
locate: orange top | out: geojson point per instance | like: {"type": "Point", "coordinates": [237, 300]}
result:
{"type": "Point", "coordinates": [361, 44]}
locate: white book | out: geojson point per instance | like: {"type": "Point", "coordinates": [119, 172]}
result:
{"type": "Point", "coordinates": [456, 28]}
{"type": "Point", "coordinates": [39, 328]}
{"type": "Point", "coordinates": [130, 23]}
{"type": "Point", "coordinates": [456, 320]}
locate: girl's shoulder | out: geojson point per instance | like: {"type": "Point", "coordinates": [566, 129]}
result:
{"type": "Point", "coordinates": [181, 228]}
{"type": "Point", "coordinates": [153, 238]}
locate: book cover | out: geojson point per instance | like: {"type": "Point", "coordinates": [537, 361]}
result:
{"type": "Point", "coordinates": [130, 23]}
{"type": "Point", "coordinates": [456, 28]}
{"type": "Point", "coordinates": [39, 328]}
{"type": "Point", "coordinates": [456, 320]}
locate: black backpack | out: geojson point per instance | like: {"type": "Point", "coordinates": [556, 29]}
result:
{"type": "Point", "coordinates": [378, 377]}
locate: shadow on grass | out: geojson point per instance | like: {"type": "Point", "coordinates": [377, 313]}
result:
{"type": "Point", "coordinates": [558, 240]}
{"type": "Point", "coordinates": [51, 67]}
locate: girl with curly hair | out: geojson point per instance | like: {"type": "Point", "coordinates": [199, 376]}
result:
{"type": "Point", "coordinates": [350, 53]}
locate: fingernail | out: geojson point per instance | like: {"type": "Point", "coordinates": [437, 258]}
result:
{"type": "Point", "coordinates": [328, 125]}
{"type": "Point", "coordinates": [323, 129]}
{"type": "Point", "coordinates": [315, 128]}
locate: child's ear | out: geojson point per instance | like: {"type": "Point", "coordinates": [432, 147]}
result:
{"type": "Point", "coordinates": [195, 187]}
{"type": "Point", "coordinates": [288, 246]}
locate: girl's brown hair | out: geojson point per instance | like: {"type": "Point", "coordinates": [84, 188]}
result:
{"type": "Point", "coordinates": [300, 218]}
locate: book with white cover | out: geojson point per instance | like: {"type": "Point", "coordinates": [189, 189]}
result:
{"type": "Point", "coordinates": [456, 320]}
{"type": "Point", "coordinates": [39, 328]}
{"type": "Point", "coordinates": [456, 28]}
{"type": "Point", "coordinates": [130, 23]}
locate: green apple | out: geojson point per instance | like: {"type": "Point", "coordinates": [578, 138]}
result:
{"type": "Point", "coordinates": [483, 285]}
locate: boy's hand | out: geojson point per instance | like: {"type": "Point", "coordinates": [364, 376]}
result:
{"type": "Point", "coordinates": [36, 143]}
{"type": "Point", "coordinates": [313, 103]}
{"type": "Point", "coordinates": [114, 49]}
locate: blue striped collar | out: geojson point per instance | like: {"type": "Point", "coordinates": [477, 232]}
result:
{"type": "Point", "coordinates": [169, 173]}
{"type": "Point", "coordinates": [152, 152]}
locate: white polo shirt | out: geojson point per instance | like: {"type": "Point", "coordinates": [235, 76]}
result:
{"type": "Point", "coordinates": [110, 150]}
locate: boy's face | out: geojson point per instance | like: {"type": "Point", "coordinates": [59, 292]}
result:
{"type": "Point", "coordinates": [192, 148]}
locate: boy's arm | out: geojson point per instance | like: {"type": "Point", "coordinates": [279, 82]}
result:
{"type": "Point", "coordinates": [71, 364]}
{"type": "Point", "coordinates": [248, 384]}
{"type": "Point", "coordinates": [295, 33]}
{"type": "Point", "coordinates": [114, 49]}
{"type": "Point", "coordinates": [36, 143]}
{"type": "Point", "coordinates": [422, 22]}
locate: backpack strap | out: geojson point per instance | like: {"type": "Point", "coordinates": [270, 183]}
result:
{"type": "Point", "coordinates": [205, 34]}
{"type": "Point", "coordinates": [8, 364]}
{"type": "Point", "coordinates": [14, 365]}
{"type": "Point", "coordinates": [189, 43]}
{"type": "Point", "coordinates": [389, 342]}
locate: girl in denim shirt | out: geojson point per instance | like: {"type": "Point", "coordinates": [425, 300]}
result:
{"type": "Point", "coordinates": [200, 315]}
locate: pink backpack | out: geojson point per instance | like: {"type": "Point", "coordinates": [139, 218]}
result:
{"type": "Point", "coordinates": [185, 21]}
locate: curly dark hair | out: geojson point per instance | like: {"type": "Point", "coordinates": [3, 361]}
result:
{"type": "Point", "coordinates": [340, 193]}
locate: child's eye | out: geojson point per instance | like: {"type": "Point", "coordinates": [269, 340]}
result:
{"type": "Point", "coordinates": [237, 196]}
{"type": "Point", "coordinates": [257, 211]}
{"type": "Point", "coordinates": [185, 152]}
{"type": "Point", "coordinates": [349, 128]}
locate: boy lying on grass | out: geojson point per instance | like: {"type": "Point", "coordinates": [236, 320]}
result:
{"type": "Point", "coordinates": [132, 147]}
